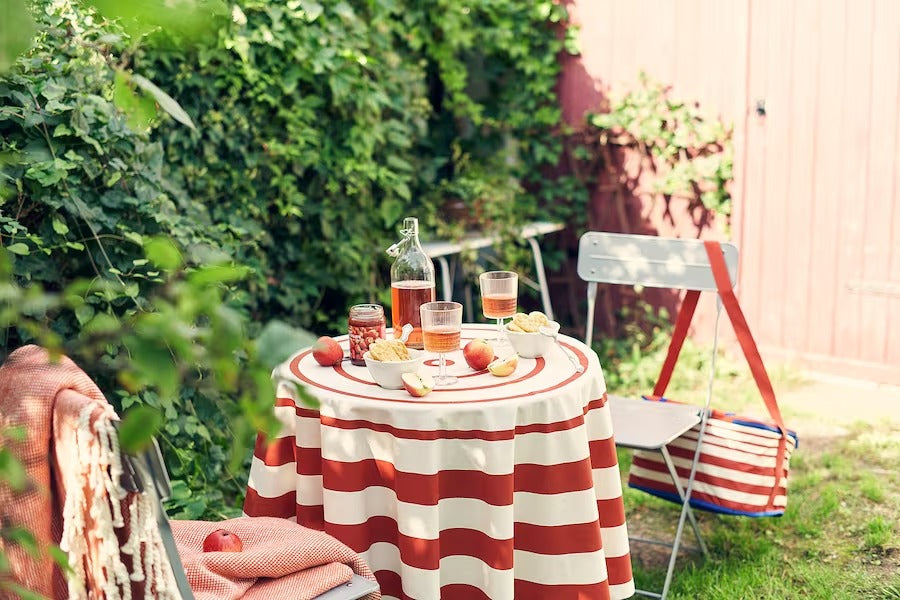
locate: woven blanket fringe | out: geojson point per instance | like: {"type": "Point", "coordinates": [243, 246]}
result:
{"type": "Point", "coordinates": [99, 476]}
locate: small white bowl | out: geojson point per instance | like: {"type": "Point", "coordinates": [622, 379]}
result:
{"type": "Point", "coordinates": [531, 345]}
{"type": "Point", "coordinates": [388, 374]}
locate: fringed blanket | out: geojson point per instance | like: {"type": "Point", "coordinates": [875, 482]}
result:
{"type": "Point", "coordinates": [74, 499]}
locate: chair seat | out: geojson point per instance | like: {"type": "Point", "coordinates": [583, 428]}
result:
{"type": "Point", "coordinates": [355, 588]}
{"type": "Point", "coordinates": [644, 425]}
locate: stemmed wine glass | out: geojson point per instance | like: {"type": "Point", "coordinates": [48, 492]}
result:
{"type": "Point", "coordinates": [441, 328]}
{"type": "Point", "coordinates": [499, 297]}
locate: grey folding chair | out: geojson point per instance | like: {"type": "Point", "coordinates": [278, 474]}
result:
{"type": "Point", "coordinates": [648, 261]}
{"type": "Point", "coordinates": [146, 473]}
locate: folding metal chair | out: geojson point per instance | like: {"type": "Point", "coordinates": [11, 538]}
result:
{"type": "Point", "coordinates": [146, 473]}
{"type": "Point", "coordinates": [650, 261]}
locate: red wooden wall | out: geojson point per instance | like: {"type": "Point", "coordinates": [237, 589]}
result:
{"type": "Point", "coordinates": [817, 190]}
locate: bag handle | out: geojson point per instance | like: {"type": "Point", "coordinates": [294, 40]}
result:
{"type": "Point", "coordinates": [745, 339]}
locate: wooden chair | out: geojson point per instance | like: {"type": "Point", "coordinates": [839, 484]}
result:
{"type": "Point", "coordinates": [679, 264]}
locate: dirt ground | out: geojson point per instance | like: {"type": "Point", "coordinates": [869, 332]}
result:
{"type": "Point", "coordinates": [824, 406]}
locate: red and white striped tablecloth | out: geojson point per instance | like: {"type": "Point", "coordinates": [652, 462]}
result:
{"type": "Point", "coordinates": [494, 488]}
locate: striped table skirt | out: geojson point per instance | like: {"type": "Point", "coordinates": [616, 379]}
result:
{"type": "Point", "coordinates": [494, 488]}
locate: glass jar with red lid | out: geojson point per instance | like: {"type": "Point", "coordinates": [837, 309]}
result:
{"type": "Point", "coordinates": [365, 324]}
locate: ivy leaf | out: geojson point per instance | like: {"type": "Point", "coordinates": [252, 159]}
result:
{"type": "Point", "coordinates": [17, 32]}
{"type": "Point", "coordinates": [278, 341]}
{"type": "Point", "coordinates": [59, 226]}
{"type": "Point", "coordinates": [138, 427]}
{"type": "Point", "coordinates": [163, 253]}
{"type": "Point", "coordinates": [19, 248]}
{"type": "Point", "coordinates": [139, 110]}
{"type": "Point", "coordinates": [391, 210]}
{"type": "Point", "coordinates": [166, 102]}
{"type": "Point", "coordinates": [311, 9]}
{"type": "Point", "coordinates": [13, 471]}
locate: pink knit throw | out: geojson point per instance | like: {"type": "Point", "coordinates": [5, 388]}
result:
{"type": "Point", "coordinates": [280, 559]}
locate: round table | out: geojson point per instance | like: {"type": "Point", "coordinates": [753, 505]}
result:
{"type": "Point", "coordinates": [494, 487]}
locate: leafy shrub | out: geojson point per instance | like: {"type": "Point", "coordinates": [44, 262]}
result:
{"type": "Point", "coordinates": [318, 126]}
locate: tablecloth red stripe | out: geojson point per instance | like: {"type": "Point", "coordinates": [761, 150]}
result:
{"type": "Point", "coordinates": [391, 585]}
{"type": "Point", "coordinates": [461, 591]}
{"type": "Point", "coordinates": [495, 489]}
{"type": "Point", "coordinates": [554, 479]}
{"type": "Point", "coordinates": [603, 453]}
{"type": "Point", "coordinates": [527, 590]}
{"type": "Point", "coordinates": [422, 553]}
{"type": "Point", "coordinates": [300, 411]}
{"type": "Point", "coordinates": [618, 569]}
{"type": "Point", "coordinates": [416, 488]}
{"type": "Point", "coordinates": [284, 506]}
{"type": "Point", "coordinates": [558, 539]}
{"type": "Point", "coordinates": [453, 434]}
{"type": "Point", "coordinates": [282, 451]}
{"type": "Point", "coordinates": [596, 403]}
{"type": "Point", "coordinates": [611, 511]}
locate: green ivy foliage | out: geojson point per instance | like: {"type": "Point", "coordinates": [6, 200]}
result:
{"type": "Point", "coordinates": [83, 199]}
{"type": "Point", "coordinates": [154, 249]}
{"type": "Point", "coordinates": [322, 124]}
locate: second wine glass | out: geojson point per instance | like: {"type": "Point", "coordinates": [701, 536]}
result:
{"type": "Point", "coordinates": [441, 329]}
{"type": "Point", "coordinates": [499, 297]}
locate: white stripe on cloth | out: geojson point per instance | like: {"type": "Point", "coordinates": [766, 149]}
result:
{"type": "Point", "coordinates": [352, 508]}
{"type": "Point", "coordinates": [427, 457]}
{"type": "Point", "coordinates": [272, 482]}
{"type": "Point", "coordinates": [568, 569]}
{"type": "Point", "coordinates": [615, 540]}
{"type": "Point", "coordinates": [607, 482]}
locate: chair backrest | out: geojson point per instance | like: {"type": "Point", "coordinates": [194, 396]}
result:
{"type": "Point", "coordinates": [650, 261]}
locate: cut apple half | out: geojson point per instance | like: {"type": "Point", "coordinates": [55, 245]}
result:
{"type": "Point", "coordinates": [416, 384]}
{"type": "Point", "coordinates": [503, 367]}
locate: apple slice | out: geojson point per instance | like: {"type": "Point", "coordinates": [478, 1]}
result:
{"type": "Point", "coordinates": [417, 385]}
{"type": "Point", "coordinates": [503, 367]}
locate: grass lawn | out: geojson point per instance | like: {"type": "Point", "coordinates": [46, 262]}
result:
{"type": "Point", "coordinates": [840, 536]}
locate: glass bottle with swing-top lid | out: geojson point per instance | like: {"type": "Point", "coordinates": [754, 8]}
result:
{"type": "Point", "coordinates": [412, 282]}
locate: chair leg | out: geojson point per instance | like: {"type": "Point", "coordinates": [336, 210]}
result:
{"type": "Point", "coordinates": [681, 494]}
{"type": "Point", "coordinates": [541, 276]}
{"type": "Point", "coordinates": [591, 303]}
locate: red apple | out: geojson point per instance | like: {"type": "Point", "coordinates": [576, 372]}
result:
{"type": "Point", "coordinates": [327, 352]}
{"type": "Point", "coordinates": [417, 385]}
{"type": "Point", "coordinates": [478, 354]}
{"type": "Point", "coordinates": [222, 540]}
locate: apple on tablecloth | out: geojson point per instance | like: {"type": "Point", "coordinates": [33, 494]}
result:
{"type": "Point", "coordinates": [327, 351]}
{"type": "Point", "coordinates": [478, 354]}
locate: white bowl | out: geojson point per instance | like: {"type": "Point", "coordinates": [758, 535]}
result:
{"type": "Point", "coordinates": [387, 374]}
{"type": "Point", "coordinates": [531, 345]}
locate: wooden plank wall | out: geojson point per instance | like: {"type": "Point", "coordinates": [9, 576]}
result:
{"type": "Point", "coordinates": [817, 194]}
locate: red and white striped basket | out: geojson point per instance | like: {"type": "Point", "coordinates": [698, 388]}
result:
{"type": "Point", "coordinates": [737, 469]}
{"type": "Point", "coordinates": [743, 464]}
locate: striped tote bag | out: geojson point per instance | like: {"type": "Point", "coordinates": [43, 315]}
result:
{"type": "Point", "coordinates": [743, 464]}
